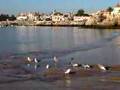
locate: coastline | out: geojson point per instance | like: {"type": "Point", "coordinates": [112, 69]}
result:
{"type": "Point", "coordinates": [68, 25]}
{"type": "Point", "coordinates": [100, 26]}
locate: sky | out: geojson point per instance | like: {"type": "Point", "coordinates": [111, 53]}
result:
{"type": "Point", "coordinates": [47, 6]}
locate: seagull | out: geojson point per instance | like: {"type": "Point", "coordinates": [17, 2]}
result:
{"type": "Point", "coordinates": [29, 59]}
{"type": "Point", "coordinates": [55, 59]}
{"type": "Point", "coordinates": [76, 65]}
{"type": "Point", "coordinates": [47, 66]}
{"type": "Point", "coordinates": [86, 66]}
{"type": "Point", "coordinates": [102, 67]}
{"type": "Point", "coordinates": [67, 71]}
{"type": "Point", "coordinates": [35, 60]}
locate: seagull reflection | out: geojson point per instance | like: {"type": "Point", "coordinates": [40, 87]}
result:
{"type": "Point", "coordinates": [35, 67]}
{"type": "Point", "coordinates": [47, 66]}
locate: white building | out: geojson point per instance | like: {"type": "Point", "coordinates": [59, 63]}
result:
{"type": "Point", "coordinates": [28, 16]}
{"type": "Point", "coordinates": [80, 18]}
{"type": "Point", "coordinates": [22, 16]}
{"type": "Point", "coordinates": [33, 16]}
{"type": "Point", "coordinates": [57, 17]}
{"type": "Point", "coordinates": [116, 10]}
{"type": "Point", "coordinates": [46, 17]}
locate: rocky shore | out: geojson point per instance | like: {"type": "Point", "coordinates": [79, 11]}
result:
{"type": "Point", "coordinates": [26, 23]}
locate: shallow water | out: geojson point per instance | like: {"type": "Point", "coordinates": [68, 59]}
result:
{"type": "Point", "coordinates": [87, 46]}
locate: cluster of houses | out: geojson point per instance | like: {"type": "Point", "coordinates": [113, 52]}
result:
{"type": "Point", "coordinates": [103, 17]}
{"type": "Point", "coordinates": [55, 18]}
{"type": "Point", "coordinates": [106, 17]}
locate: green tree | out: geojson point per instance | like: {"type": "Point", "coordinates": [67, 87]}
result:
{"type": "Point", "coordinates": [4, 17]}
{"type": "Point", "coordinates": [80, 12]}
{"type": "Point", "coordinates": [109, 9]}
{"type": "Point", "coordinates": [12, 18]}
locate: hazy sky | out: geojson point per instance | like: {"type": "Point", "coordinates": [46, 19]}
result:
{"type": "Point", "coordinates": [15, 6]}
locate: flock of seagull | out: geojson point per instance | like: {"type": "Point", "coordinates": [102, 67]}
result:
{"type": "Point", "coordinates": [69, 70]}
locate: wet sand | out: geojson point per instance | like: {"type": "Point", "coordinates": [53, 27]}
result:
{"type": "Point", "coordinates": [15, 76]}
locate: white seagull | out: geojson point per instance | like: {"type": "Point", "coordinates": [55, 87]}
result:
{"type": "Point", "coordinates": [67, 71]}
{"type": "Point", "coordinates": [86, 66]}
{"type": "Point", "coordinates": [101, 67]}
{"type": "Point", "coordinates": [35, 60]}
{"type": "Point", "coordinates": [29, 59]}
{"type": "Point", "coordinates": [55, 59]}
{"type": "Point", "coordinates": [76, 65]}
{"type": "Point", "coordinates": [47, 66]}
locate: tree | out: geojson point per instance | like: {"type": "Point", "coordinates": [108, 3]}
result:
{"type": "Point", "coordinates": [80, 12]}
{"type": "Point", "coordinates": [12, 18]}
{"type": "Point", "coordinates": [4, 17]}
{"type": "Point", "coordinates": [109, 9]}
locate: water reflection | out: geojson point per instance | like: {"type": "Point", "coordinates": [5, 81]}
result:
{"type": "Point", "coordinates": [64, 42]}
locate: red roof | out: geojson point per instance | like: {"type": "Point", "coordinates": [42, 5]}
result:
{"type": "Point", "coordinates": [118, 5]}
